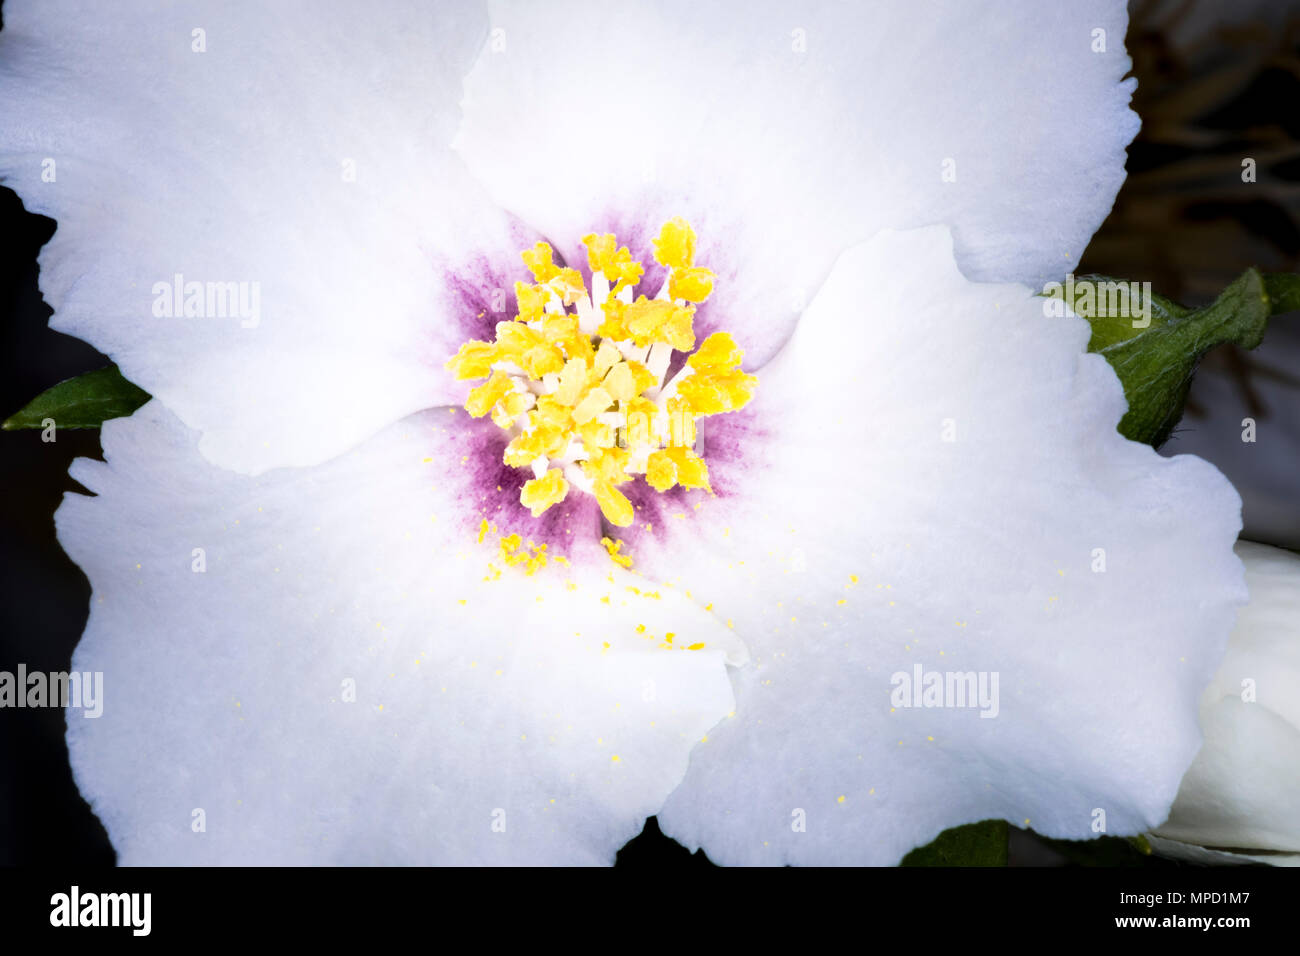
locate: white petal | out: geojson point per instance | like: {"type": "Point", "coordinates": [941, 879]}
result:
{"type": "Point", "coordinates": [233, 165]}
{"type": "Point", "coordinates": [850, 542]}
{"type": "Point", "coordinates": [1241, 792]}
{"type": "Point", "coordinates": [787, 133]}
{"type": "Point", "coordinates": [1203, 856]}
{"type": "Point", "coordinates": [224, 690]}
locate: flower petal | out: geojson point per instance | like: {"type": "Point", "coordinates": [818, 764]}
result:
{"type": "Point", "coordinates": [1241, 790]}
{"type": "Point", "coordinates": [522, 703]}
{"type": "Point", "coordinates": [297, 150]}
{"type": "Point", "coordinates": [851, 541]}
{"type": "Point", "coordinates": [784, 135]}
{"type": "Point", "coordinates": [1204, 856]}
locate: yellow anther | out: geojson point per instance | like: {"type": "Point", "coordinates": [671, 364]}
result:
{"type": "Point", "coordinates": [484, 397]}
{"type": "Point", "coordinates": [542, 360]}
{"type": "Point", "coordinates": [605, 256]}
{"type": "Point", "coordinates": [613, 326]}
{"type": "Point", "coordinates": [510, 407]}
{"type": "Point", "coordinates": [719, 350]}
{"type": "Point", "coordinates": [531, 300]}
{"type": "Point", "coordinates": [677, 466]}
{"type": "Point", "coordinates": [692, 472]}
{"type": "Point", "coordinates": [551, 413]}
{"type": "Point", "coordinates": [614, 505]}
{"type": "Point", "coordinates": [474, 360]}
{"type": "Point", "coordinates": [657, 320]}
{"type": "Point", "coordinates": [660, 471]}
{"type": "Point", "coordinates": [600, 249]}
{"type": "Point", "coordinates": [540, 493]}
{"type": "Point", "coordinates": [568, 285]}
{"type": "Point", "coordinates": [538, 261]}
{"type": "Point", "coordinates": [573, 380]}
{"type": "Point", "coordinates": [607, 464]}
{"type": "Point", "coordinates": [596, 435]}
{"type": "Point", "coordinates": [607, 356]}
{"type": "Point", "coordinates": [675, 246]}
{"type": "Point", "coordinates": [694, 284]}
{"type": "Point", "coordinates": [540, 442]}
{"type": "Point", "coordinates": [596, 401]}
{"type": "Point", "coordinates": [620, 383]}
{"type": "Point", "coordinates": [717, 384]}
{"type": "Point", "coordinates": [642, 377]}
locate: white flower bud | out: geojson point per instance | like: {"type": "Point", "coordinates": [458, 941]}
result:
{"type": "Point", "coordinates": [1240, 800]}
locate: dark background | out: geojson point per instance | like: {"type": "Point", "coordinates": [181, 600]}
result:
{"type": "Point", "coordinates": [1219, 80]}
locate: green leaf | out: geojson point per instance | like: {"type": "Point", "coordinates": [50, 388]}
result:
{"type": "Point", "coordinates": [86, 401]}
{"type": "Point", "coordinates": [1155, 344]}
{"type": "Point", "coordinates": [976, 844]}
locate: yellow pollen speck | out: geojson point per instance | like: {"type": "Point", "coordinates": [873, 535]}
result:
{"type": "Point", "coordinates": [614, 758]}
{"type": "Point", "coordinates": [613, 546]}
{"type": "Point", "coordinates": [840, 798]}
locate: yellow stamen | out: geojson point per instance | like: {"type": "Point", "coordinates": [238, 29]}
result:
{"type": "Point", "coordinates": [601, 402]}
{"type": "Point", "coordinates": [675, 246]}
{"type": "Point", "coordinates": [540, 493]}
{"type": "Point", "coordinates": [613, 504]}
{"type": "Point", "coordinates": [694, 284]}
{"type": "Point", "coordinates": [538, 261]}
{"type": "Point", "coordinates": [617, 265]}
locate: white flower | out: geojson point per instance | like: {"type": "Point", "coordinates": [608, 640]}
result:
{"type": "Point", "coordinates": [928, 478]}
{"type": "Point", "coordinates": [1238, 801]}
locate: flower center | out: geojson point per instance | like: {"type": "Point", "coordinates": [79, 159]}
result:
{"type": "Point", "coordinates": [579, 378]}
